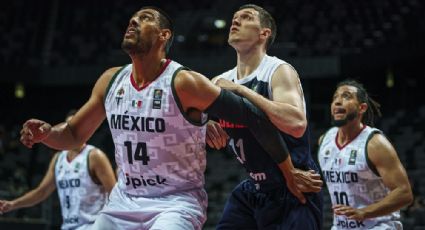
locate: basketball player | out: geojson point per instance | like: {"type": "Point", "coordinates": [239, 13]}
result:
{"type": "Point", "coordinates": [264, 200]}
{"type": "Point", "coordinates": [154, 107]}
{"type": "Point", "coordinates": [83, 176]}
{"type": "Point", "coordinates": [366, 181]}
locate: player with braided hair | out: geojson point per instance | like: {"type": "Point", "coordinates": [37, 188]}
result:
{"type": "Point", "coordinates": [365, 178]}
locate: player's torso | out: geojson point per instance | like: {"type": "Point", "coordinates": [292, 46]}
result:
{"type": "Point", "coordinates": [349, 178]}
{"type": "Point", "coordinates": [157, 150]}
{"type": "Point", "coordinates": [81, 199]}
{"type": "Point", "coordinates": [258, 163]}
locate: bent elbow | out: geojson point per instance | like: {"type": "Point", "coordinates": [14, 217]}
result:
{"type": "Point", "coordinates": [408, 196]}
{"type": "Point", "coordinates": [298, 129]}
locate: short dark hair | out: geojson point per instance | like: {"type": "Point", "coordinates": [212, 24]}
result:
{"type": "Point", "coordinates": [266, 21]}
{"type": "Point", "coordinates": [363, 97]}
{"type": "Point", "coordinates": [165, 22]}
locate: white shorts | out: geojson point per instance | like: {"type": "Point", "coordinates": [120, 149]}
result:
{"type": "Point", "coordinates": [179, 211]}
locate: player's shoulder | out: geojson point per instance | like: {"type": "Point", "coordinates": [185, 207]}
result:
{"type": "Point", "coordinates": [96, 152]}
{"type": "Point", "coordinates": [378, 140]}
{"type": "Point", "coordinates": [111, 72]}
{"type": "Point", "coordinates": [186, 79]}
{"type": "Point", "coordinates": [106, 79]}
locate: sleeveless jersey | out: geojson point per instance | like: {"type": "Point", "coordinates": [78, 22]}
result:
{"type": "Point", "coordinates": [260, 166]}
{"type": "Point", "coordinates": [351, 181]}
{"type": "Point", "coordinates": [158, 150]}
{"type": "Point", "coordinates": [81, 199]}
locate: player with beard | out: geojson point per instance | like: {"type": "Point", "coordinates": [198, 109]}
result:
{"type": "Point", "coordinates": [366, 181]}
{"type": "Point", "coordinates": [155, 110]}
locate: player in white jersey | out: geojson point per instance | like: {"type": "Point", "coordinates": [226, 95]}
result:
{"type": "Point", "coordinates": [82, 176]}
{"type": "Point", "coordinates": [366, 181]}
{"type": "Point", "coordinates": [154, 109]}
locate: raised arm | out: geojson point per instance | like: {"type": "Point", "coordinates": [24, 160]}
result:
{"type": "Point", "coordinates": [197, 92]}
{"type": "Point", "coordinates": [79, 129]}
{"type": "Point", "coordinates": [35, 196]}
{"type": "Point", "coordinates": [384, 157]}
{"type": "Point", "coordinates": [286, 109]}
{"type": "Point", "coordinates": [102, 170]}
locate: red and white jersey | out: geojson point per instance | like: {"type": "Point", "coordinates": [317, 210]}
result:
{"type": "Point", "coordinates": [352, 180]}
{"type": "Point", "coordinates": [158, 149]}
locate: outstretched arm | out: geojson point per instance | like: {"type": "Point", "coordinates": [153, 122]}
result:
{"type": "Point", "coordinates": [384, 157]}
{"type": "Point", "coordinates": [35, 196]}
{"type": "Point", "coordinates": [79, 129]}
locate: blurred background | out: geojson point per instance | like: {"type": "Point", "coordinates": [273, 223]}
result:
{"type": "Point", "coordinates": [52, 52]}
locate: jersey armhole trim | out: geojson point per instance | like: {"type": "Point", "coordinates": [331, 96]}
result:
{"type": "Point", "coordinates": [88, 168]}
{"type": "Point", "coordinates": [369, 162]}
{"type": "Point", "coordinates": [323, 137]}
{"type": "Point", "coordinates": [179, 105]}
{"type": "Point", "coordinates": [112, 81]}
{"type": "Point", "coordinates": [56, 162]}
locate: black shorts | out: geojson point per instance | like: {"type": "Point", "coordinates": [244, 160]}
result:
{"type": "Point", "coordinates": [247, 208]}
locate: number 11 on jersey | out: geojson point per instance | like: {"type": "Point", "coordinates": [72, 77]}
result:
{"type": "Point", "coordinates": [238, 149]}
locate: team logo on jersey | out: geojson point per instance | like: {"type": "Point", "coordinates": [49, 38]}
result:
{"type": "Point", "coordinates": [136, 104]}
{"type": "Point", "coordinates": [157, 97]}
{"type": "Point", "coordinates": [353, 156]}
{"type": "Point", "coordinates": [77, 167]}
{"type": "Point", "coordinates": [326, 155]}
{"type": "Point", "coordinates": [60, 169]}
{"type": "Point", "coordinates": [120, 95]}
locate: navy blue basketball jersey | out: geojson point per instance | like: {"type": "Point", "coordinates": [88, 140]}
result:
{"type": "Point", "coordinates": [259, 165]}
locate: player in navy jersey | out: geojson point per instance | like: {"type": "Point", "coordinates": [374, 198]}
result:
{"type": "Point", "coordinates": [264, 201]}
{"type": "Point", "coordinates": [366, 181]}
{"type": "Point", "coordinates": [83, 178]}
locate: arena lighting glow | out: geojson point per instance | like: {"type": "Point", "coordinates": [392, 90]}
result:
{"type": "Point", "coordinates": [390, 79]}
{"type": "Point", "coordinates": [219, 23]}
{"type": "Point", "coordinates": [19, 90]}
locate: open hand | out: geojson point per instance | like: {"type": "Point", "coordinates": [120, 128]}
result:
{"type": "Point", "coordinates": [226, 84]}
{"type": "Point", "coordinates": [307, 181]}
{"type": "Point", "coordinates": [349, 212]}
{"type": "Point", "coordinates": [216, 137]}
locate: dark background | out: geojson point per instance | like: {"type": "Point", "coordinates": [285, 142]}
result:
{"type": "Point", "coordinates": [53, 51]}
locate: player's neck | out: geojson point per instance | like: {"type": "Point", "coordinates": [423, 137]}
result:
{"type": "Point", "coordinates": [147, 68]}
{"type": "Point", "coordinates": [349, 131]}
{"type": "Point", "coordinates": [248, 61]}
{"type": "Point", "coordinates": [74, 152]}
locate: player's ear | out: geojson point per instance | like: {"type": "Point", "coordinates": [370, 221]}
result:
{"type": "Point", "coordinates": [363, 108]}
{"type": "Point", "coordinates": [265, 33]}
{"type": "Point", "coordinates": [165, 34]}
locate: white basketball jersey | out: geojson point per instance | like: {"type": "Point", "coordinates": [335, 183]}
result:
{"type": "Point", "coordinates": [351, 181]}
{"type": "Point", "coordinates": [263, 74]}
{"type": "Point", "coordinates": [157, 149]}
{"type": "Point", "coordinates": [81, 199]}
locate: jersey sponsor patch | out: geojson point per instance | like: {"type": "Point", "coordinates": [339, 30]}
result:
{"type": "Point", "coordinates": [157, 99]}
{"type": "Point", "coordinates": [353, 156]}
